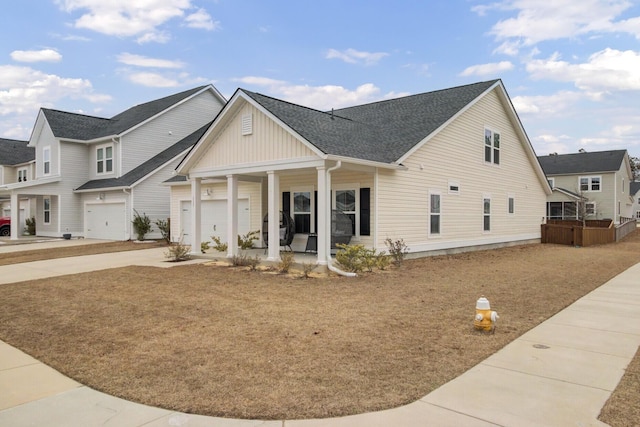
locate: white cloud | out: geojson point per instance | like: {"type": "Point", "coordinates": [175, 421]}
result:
{"type": "Point", "coordinates": [151, 79]}
{"type": "Point", "coordinates": [538, 21]}
{"type": "Point", "coordinates": [353, 56]}
{"type": "Point", "coordinates": [201, 19]}
{"type": "Point", "coordinates": [140, 19]}
{"type": "Point", "coordinates": [144, 61]}
{"type": "Point", "coordinates": [605, 71]}
{"type": "Point", "coordinates": [44, 55]}
{"type": "Point", "coordinates": [487, 69]}
{"type": "Point", "coordinates": [24, 90]}
{"type": "Point", "coordinates": [319, 97]}
{"type": "Point", "coordinates": [551, 105]}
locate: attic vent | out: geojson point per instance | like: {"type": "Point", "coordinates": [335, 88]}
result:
{"type": "Point", "coordinates": [247, 124]}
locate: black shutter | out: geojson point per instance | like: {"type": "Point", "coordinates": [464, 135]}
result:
{"type": "Point", "coordinates": [315, 211]}
{"type": "Point", "coordinates": [286, 202]}
{"type": "Point", "coordinates": [365, 211]}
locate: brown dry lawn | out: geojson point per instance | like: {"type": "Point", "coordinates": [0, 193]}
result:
{"type": "Point", "coordinates": [229, 342]}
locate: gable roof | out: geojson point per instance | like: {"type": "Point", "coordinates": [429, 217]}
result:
{"type": "Point", "coordinates": [135, 175]}
{"type": "Point", "coordinates": [382, 131]}
{"type": "Point", "coordinates": [598, 161]}
{"type": "Point", "coordinates": [635, 187]}
{"type": "Point", "coordinates": [82, 127]}
{"type": "Point", "coordinates": [14, 152]}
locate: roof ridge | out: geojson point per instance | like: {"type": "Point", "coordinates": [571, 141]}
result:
{"type": "Point", "coordinates": [164, 98]}
{"type": "Point", "coordinates": [72, 113]}
{"type": "Point", "coordinates": [288, 102]}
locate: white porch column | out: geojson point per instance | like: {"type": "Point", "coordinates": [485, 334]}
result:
{"type": "Point", "coordinates": [196, 216]}
{"type": "Point", "coordinates": [273, 211]}
{"type": "Point", "coordinates": [15, 216]}
{"type": "Point", "coordinates": [232, 215]}
{"type": "Point", "coordinates": [322, 215]}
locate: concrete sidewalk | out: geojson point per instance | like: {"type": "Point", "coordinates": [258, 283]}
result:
{"type": "Point", "coordinates": [560, 373]}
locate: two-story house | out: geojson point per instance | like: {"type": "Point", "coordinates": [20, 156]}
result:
{"type": "Point", "coordinates": [92, 174]}
{"type": "Point", "coordinates": [446, 170]}
{"type": "Point", "coordinates": [17, 164]}
{"type": "Point", "coordinates": [635, 195]}
{"type": "Point", "coordinates": [593, 185]}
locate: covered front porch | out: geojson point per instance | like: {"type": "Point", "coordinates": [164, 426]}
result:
{"type": "Point", "coordinates": [308, 192]}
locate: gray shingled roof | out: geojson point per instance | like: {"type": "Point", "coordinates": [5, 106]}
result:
{"type": "Point", "coordinates": [14, 152]}
{"type": "Point", "coordinates": [149, 166]}
{"type": "Point", "coordinates": [382, 131]}
{"type": "Point", "coordinates": [635, 187]}
{"type": "Point", "coordinates": [81, 127]}
{"type": "Point", "coordinates": [597, 161]}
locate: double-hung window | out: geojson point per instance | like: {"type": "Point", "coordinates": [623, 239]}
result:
{"type": "Point", "coordinates": [346, 203]}
{"type": "Point", "coordinates": [590, 183]}
{"type": "Point", "coordinates": [435, 211]}
{"type": "Point", "coordinates": [46, 160]}
{"type": "Point", "coordinates": [104, 159]}
{"type": "Point", "coordinates": [302, 211]}
{"type": "Point", "coordinates": [491, 147]}
{"type": "Point", "coordinates": [22, 175]}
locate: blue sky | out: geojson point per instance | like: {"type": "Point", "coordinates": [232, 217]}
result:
{"type": "Point", "coordinates": [571, 67]}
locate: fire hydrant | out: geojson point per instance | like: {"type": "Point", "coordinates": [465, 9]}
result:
{"type": "Point", "coordinates": [485, 318]}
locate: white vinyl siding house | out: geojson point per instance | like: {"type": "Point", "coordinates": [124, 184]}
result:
{"type": "Point", "coordinates": [100, 171]}
{"type": "Point", "coordinates": [292, 149]}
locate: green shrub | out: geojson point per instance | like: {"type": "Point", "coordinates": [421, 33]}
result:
{"type": "Point", "coordinates": [31, 226]}
{"type": "Point", "coordinates": [397, 249]}
{"type": "Point", "coordinates": [286, 261]}
{"type": "Point", "coordinates": [204, 247]}
{"type": "Point", "coordinates": [178, 252]}
{"type": "Point", "coordinates": [246, 242]}
{"type": "Point", "coordinates": [356, 258]}
{"type": "Point", "coordinates": [219, 246]}
{"type": "Point", "coordinates": [382, 261]}
{"type": "Point", "coordinates": [165, 229]}
{"type": "Point", "coordinates": [141, 225]}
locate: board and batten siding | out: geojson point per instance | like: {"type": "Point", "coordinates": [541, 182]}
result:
{"type": "Point", "coordinates": [217, 191]}
{"type": "Point", "coordinates": [165, 130]}
{"type": "Point", "coordinates": [268, 141]}
{"type": "Point", "coordinates": [456, 155]}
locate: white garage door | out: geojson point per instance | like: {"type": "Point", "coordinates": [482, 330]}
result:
{"type": "Point", "coordinates": [105, 221]}
{"type": "Point", "coordinates": [214, 219]}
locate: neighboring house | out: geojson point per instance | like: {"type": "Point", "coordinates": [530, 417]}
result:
{"type": "Point", "coordinates": [445, 170]}
{"type": "Point", "coordinates": [594, 183]}
{"type": "Point", "coordinates": [92, 174]}
{"type": "Point", "coordinates": [17, 164]}
{"type": "Point", "coordinates": [635, 195]}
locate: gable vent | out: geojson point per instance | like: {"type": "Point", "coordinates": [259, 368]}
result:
{"type": "Point", "coordinates": [247, 124]}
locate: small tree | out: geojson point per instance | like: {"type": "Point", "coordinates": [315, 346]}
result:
{"type": "Point", "coordinates": [165, 229]}
{"type": "Point", "coordinates": [141, 224]}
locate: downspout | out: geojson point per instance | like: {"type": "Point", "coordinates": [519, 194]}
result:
{"type": "Point", "coordinates": [327, 235]}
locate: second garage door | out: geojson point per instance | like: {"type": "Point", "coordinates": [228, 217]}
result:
{"type": "Point", "coordinates": [214, 219]}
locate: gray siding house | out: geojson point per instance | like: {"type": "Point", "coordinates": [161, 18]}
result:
{"type": "Point", "coordinates": [17, 164]}
{"type": "Point", "coordinates": [594, 183]}
{"type": "Point", "coordinates": [92, 174]}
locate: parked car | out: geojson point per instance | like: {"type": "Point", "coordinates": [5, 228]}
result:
{"type": "Point", "coordinates": [5, 226]}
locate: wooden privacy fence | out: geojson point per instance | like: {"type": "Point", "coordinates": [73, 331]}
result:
{"type": "Point", "coordinates": [595, 232]}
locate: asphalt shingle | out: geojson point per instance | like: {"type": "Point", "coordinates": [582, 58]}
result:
{"type": "Point", "coordinates": [14, 152]}
{"type": "Point", "coordinates": [597, 161]}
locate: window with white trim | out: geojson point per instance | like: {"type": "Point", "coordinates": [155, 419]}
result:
{"type": "Point", "coordinates": [346, 201]}
{"type": "Point", "coordinates": [104, 159]}
{"type": "Point", "coordinates": [46, 210]}
{"type": "Point", "coordinates": [551, 182]}
{"type": "Point", "coordinates": [590, 208]}
{"type": "Point", "coordinates": [46, 160]}
{"type": "Point", "coordinates": [22, 175]}
{"type": "Point", "coordinates": [486, 213]}
{"type": "Point", "coordinates": [302, 211]}
{"type": "Point", "coordinates": [491, 147]}
{"type": "Point", "coordinates": [590, 183]}
{"type": "Point", "coordinates": [435, 212]}
{"type": "Point", "coordinates": [511, 205]}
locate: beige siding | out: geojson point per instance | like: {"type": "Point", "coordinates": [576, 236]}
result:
{"type": "Point", "coordinates": [456, 155]}
{"type": "Point", "coordinates": [267, 142]}
{"type": "Point", "coordinates": [217, 191]}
